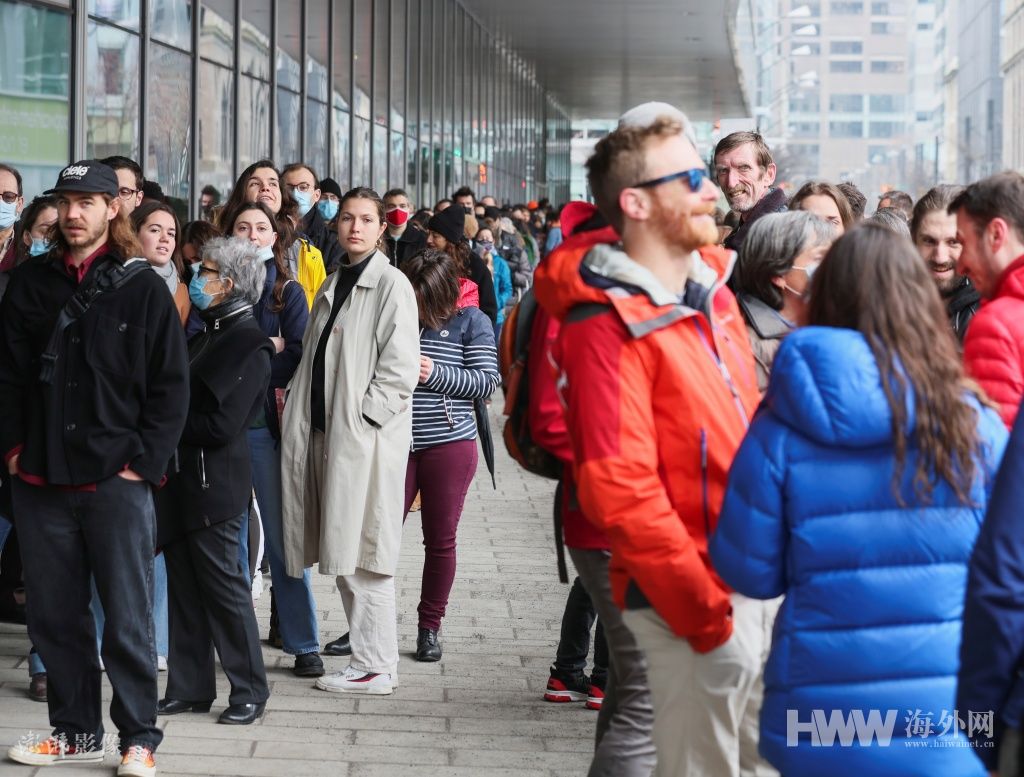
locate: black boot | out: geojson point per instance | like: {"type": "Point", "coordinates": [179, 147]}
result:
{"type": "Point", "coordinates": [338, 647]}
{"type": "Point", "coordinates": [274, 636]}
{"type": "Point", "coordinates": [427, 646]}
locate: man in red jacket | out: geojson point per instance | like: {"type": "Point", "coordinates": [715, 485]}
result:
{"type": "Point", "coordinates": [658, 383]}
{"type": "Point", "coordinates": [990, 227]}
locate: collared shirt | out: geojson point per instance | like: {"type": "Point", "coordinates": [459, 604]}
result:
{"type": "Point", "coordinates": [78, 271]}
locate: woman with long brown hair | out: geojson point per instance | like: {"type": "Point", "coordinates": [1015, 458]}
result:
{"type": "Point", "coordinates": [858, 493]}
{"type": "Point", "coordinates": [282, 314]}
{"type": "Point", "coordinates": [156, 225]}
{"type": "Point", "coordinates": [826, 202]}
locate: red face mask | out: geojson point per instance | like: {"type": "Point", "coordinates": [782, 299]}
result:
{"type": "Point", "coordinates": [396, 217]}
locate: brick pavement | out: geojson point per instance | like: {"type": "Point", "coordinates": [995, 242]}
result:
{"type": "Point", "coordinates": [478, 712]}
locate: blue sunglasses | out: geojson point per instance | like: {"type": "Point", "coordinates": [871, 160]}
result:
{"type": "Point", "coordinates": [694, 178]}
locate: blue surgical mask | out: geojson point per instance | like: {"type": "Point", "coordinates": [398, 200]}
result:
{"type": "Point", "coordinates": [266, 252]}
{"type": "Point", "coordinates": [39, 246]}
{"type": "Point", "coordinates": [8, 214]}
{"type": "Point", "coordinates": [328, 209]}
{"type": "Point", "coordinates": [197, 289]}
{"type": "Point", "coordinates": [305, 200]}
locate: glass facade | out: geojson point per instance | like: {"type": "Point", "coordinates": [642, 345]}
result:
{"type": "Point", "coordinates": [384, 93]}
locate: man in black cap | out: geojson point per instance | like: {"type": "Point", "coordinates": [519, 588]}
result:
{"type": "Point", "coordinates": [446, 232]}
{"type": "Point", "coordinates": [94, 394]}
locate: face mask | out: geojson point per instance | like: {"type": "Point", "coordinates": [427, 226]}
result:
{"type": "Point", "coordinates": [266, 252]}
{"type": "Point", "coordinates": [396, 217]}
{"type": "Point", "coordinates": [305, 200]}
{"type": "Point", "coordinates": [197, 289]}
{"type": "Point", "coordinates": [39, 246]}
{"type": "Point", "coordinates": [485, 245]}
{"type": "Point", "coordinates": [8, 214]}
{"type": "Point", "coordinates": [328, 208]}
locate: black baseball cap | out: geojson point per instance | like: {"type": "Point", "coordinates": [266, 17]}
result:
{"type": "Point", "coordinates": [89, 176]}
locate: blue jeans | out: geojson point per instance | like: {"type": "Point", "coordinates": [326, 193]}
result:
{"type": "Point", "coordinates": [296, 607]}
{"type": "Point", "coordinates": [5, 530]}
{"type": "Point", "coordinates": [243, 546]}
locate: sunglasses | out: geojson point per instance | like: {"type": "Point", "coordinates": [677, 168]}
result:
{"type": "Point", "coordinates": [694, 178]}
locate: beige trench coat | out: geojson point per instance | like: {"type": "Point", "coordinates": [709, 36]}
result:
{"type": "Point", "coordinates": [372, 364]}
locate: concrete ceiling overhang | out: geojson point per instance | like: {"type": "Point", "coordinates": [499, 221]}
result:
{"type": "Point", "coordinates": [601, 57]}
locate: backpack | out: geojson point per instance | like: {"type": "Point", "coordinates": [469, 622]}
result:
{"type": "Point", "coordinates": [311, 269]}
{"type": "Point", "coordinates": [513, 356]}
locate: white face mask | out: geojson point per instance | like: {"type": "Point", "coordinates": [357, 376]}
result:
{"type": "Point", "coordinates": [266, 252]}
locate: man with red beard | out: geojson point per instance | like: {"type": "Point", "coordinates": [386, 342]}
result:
{"type": "Point", "coordinates": [990, 229]}
{"type": "Point", "coordinates": [745, 170]}
{"type": "Point", "coordinates": [658, 382]}
{"type": "Point", "coordinates": [933, 230]}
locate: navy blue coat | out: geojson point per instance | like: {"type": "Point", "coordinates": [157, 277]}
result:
{"type": "Point", "coordinates": [874, 590]}
{"type": "Point", "coordinates": [993, 638]}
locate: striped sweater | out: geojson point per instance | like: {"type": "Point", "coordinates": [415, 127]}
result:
{"type": "Point", "coordinates": [465, 368]}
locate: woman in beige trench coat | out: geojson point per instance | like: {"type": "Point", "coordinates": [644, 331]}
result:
{"type": "Point", "coordinates": [347, 431]}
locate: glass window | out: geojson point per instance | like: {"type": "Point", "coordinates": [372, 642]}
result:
{"type": "Point", "coordinates": [217, 31]}
{"type": "Point", "coordinates": [380, 158]}
{"type": "Point", "coordinates": [170, 22]}
{"type": "Point", "coordinates": [215, 132]}
{"type": "Point", "coordinates": [363, 58]}
{"type": "Point", "coordinates": [398, 53]}
{"type": "Point", "coordinates": [396, 176]}
{"type": "Point", "coordinates": [843, 8]}
{"type": "Point", "coordinates": [360, 152]}
{"type": "Point", "coordinates": [888, 65]}
{"type": "Point", "coordinates": [34, 72]}
{"type": "Point", "coordinates": [412, 82]}
{"type": "Point", "coordinates": [885, 129]}
{"type": "Point", "coordinates": [846, 103]}
{"type": "Point", "coordinates": [342, 54]}
{"type": "Point", "coordinates": [317, 140]}
{"type": "Point", "coordinates": [122, 12]}
{"type": "Point", "coordinates": [882, 28]}
{"type": "Point", "coordinates": [342, 130]}
{"type": "Point", "coordinates": [845, 66]}
{"type": "Point", "coordinates": [411, 162]}
{"type": "Point", "coordinates": [111, 92]}
{"type": "Point", "coordinates": [253, 121]}
{"type": "Point", "coordinates": [846, 129]}
{"type": "Point", "coordinates": [316, 49]}
{"type": "Point", "coordinates": [381, 55]}
{"type": "Point", "coordinates": [804, 129]}
{"type": "Point", "coordinates": [805, 103]}
{"type": "Point", "coordinates": [169, 105]}
{"type": "Point", "coordinates": [254, 45]}
{"type": "Point", "coordinates": [289, 47]}
{"type": "Point", "coordinates": [846, 47]}
{"type": "Point", "coordinates": [288, 129]}
{"type": "Point", "coordinates": [887, 103]}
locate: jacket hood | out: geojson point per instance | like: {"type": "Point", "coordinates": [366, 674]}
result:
{"type": "Point", "coordinates": [825, 384]}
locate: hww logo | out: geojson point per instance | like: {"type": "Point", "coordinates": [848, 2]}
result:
{"type": "Point", "coordinates": [825, 730]}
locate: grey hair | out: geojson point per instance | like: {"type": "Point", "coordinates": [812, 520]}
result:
{"type": "Point", "coordinates": [240, 261]}
{"type": "Point", "coordinates": [770, 247]}
{"type": "Point", "coordinates": [892, 219]}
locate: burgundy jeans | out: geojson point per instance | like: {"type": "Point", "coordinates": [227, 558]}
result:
{"type": "Point", "coordinates": [442, 475]}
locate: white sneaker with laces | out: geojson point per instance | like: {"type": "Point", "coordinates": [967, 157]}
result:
{"type": "Point", "coordinates": [356, 681]}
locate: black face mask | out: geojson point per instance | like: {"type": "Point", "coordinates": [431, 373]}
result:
{"type": "Point", "coordinates": [468, 209]}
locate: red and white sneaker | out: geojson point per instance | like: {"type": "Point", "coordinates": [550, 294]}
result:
{"type": "Point", "coordinates": [595, 696]}
{"type": "Point", "coordinates": [137, 761]}
{"type": "Point", "coordinates": [564, 688]}
{"type": "Point", "coordinates": [51, 751]}
{"type": "Point", "coordinates": [356, 681]}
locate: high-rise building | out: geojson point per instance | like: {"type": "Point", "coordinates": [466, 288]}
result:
{"type": "Point", "coordinates": [979, 89]}
{"type": "Point", "coordinates": [1013, 84]}
{"type": "Point", "coordinates": [947, 47]}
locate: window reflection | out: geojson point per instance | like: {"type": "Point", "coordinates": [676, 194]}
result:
{"type": "Point", "coordinates": [316, 136]}
{"type": "Point", "coordinates": [253, 121]}
{"type": "Point", "coordinates": [360, 152]}
{"type": "Point", "coordinates": [170, 21]}
{"type": "Point", "coordinates": [288, 128]}
{"type": "Point", "coordinates": [216, 127]}
{"type": "Point", "coordinates": [169, 108]}
{"type": "Point", "coordinates": [111, 92]}
{"type": "Point", "coordinates": [217, 31]}
{"type": "Point", "coordinates": [255, 38]}
{"type": "Point", "coordinates": [122, 12]}
{"type": "Point", "coordinates": [380, 158]}
{"type": "Point", "coordinates": [342, 127]}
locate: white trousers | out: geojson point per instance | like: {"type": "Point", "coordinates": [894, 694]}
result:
{"type": "Point", "coordinates": [706, 705]}
{"type": "Point", "coordinates": [369, 602]}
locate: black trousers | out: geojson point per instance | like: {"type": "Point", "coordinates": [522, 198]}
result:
{"type": "Point", "coordinates": [209, 605]}
{"type": "Point", "coordinates": [66, 537]}
{"type": "Point", "coordinates": [574, 639]}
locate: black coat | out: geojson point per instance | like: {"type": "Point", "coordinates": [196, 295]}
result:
{"type": "Point", "coordinates": [961, 305]}
{"type": "Point", "coordinates": [229, 373]}
{"type": "Point", "coordinates": [409, 243]}
{"type": "Point", "coordinates": [323, 237]}
{"type": "Point", "coordinates": [120, 389]}
{"type": "Point", "coordinates": [774, 201]}
{"type": "Point", "coordinates": [481, 276]}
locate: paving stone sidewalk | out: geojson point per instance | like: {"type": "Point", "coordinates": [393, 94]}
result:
{"type": "Point", "coordinates": [476, 713]}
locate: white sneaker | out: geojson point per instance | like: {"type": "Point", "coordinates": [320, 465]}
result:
{"type": "Point", "coordinates": [161, 663]}
{"type": "Point", "coordinates": [356, 681]}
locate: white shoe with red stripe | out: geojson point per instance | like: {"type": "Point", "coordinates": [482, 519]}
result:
{"type": "Point", "coordinates": [356, 681]}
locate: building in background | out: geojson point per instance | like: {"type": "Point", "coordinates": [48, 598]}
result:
{"type": "Point", "coordinates": [947, 67]}
{"type": "Point", "coordinates": [413, 93]}
{"type": "Point", "coordinates": [1013, 84]}
{"type": "Point", "coordinates": [979, 89]}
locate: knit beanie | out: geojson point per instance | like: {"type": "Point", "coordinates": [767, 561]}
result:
{"type": "Point", "coordinates": [450, 224]}
{"type": "Point", "coordinates": [330, 186]}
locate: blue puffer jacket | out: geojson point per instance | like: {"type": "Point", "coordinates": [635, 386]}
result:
{"type": "Point", "coordinates": [874, 591]}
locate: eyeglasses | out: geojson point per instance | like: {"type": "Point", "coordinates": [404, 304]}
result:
{"type": "Point", "coordinates": [9, 197]}
{"type": "Point", "coordinates": [124, 192]}
{"type": "Point", "coordinates": [694, 179]}
{"type": "Point", "coordinates": [198, 269]}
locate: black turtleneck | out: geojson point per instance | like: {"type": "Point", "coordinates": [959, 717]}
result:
{"type": "Point", "coordinates": [348, 274]}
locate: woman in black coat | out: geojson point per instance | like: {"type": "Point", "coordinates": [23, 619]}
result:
{"type": "Point", "coordinates": [207, 496]}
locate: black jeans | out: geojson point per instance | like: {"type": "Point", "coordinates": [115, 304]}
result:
{"type": "Point", "coordinates": [210, 605]}
{"type": "Point", "coordinates": [66, 537]}
{"type": "Point", "coordinates": [574, 640]}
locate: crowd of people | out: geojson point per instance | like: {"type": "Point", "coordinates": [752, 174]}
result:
{"type": "Point", "coordinates": [786, 478]}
